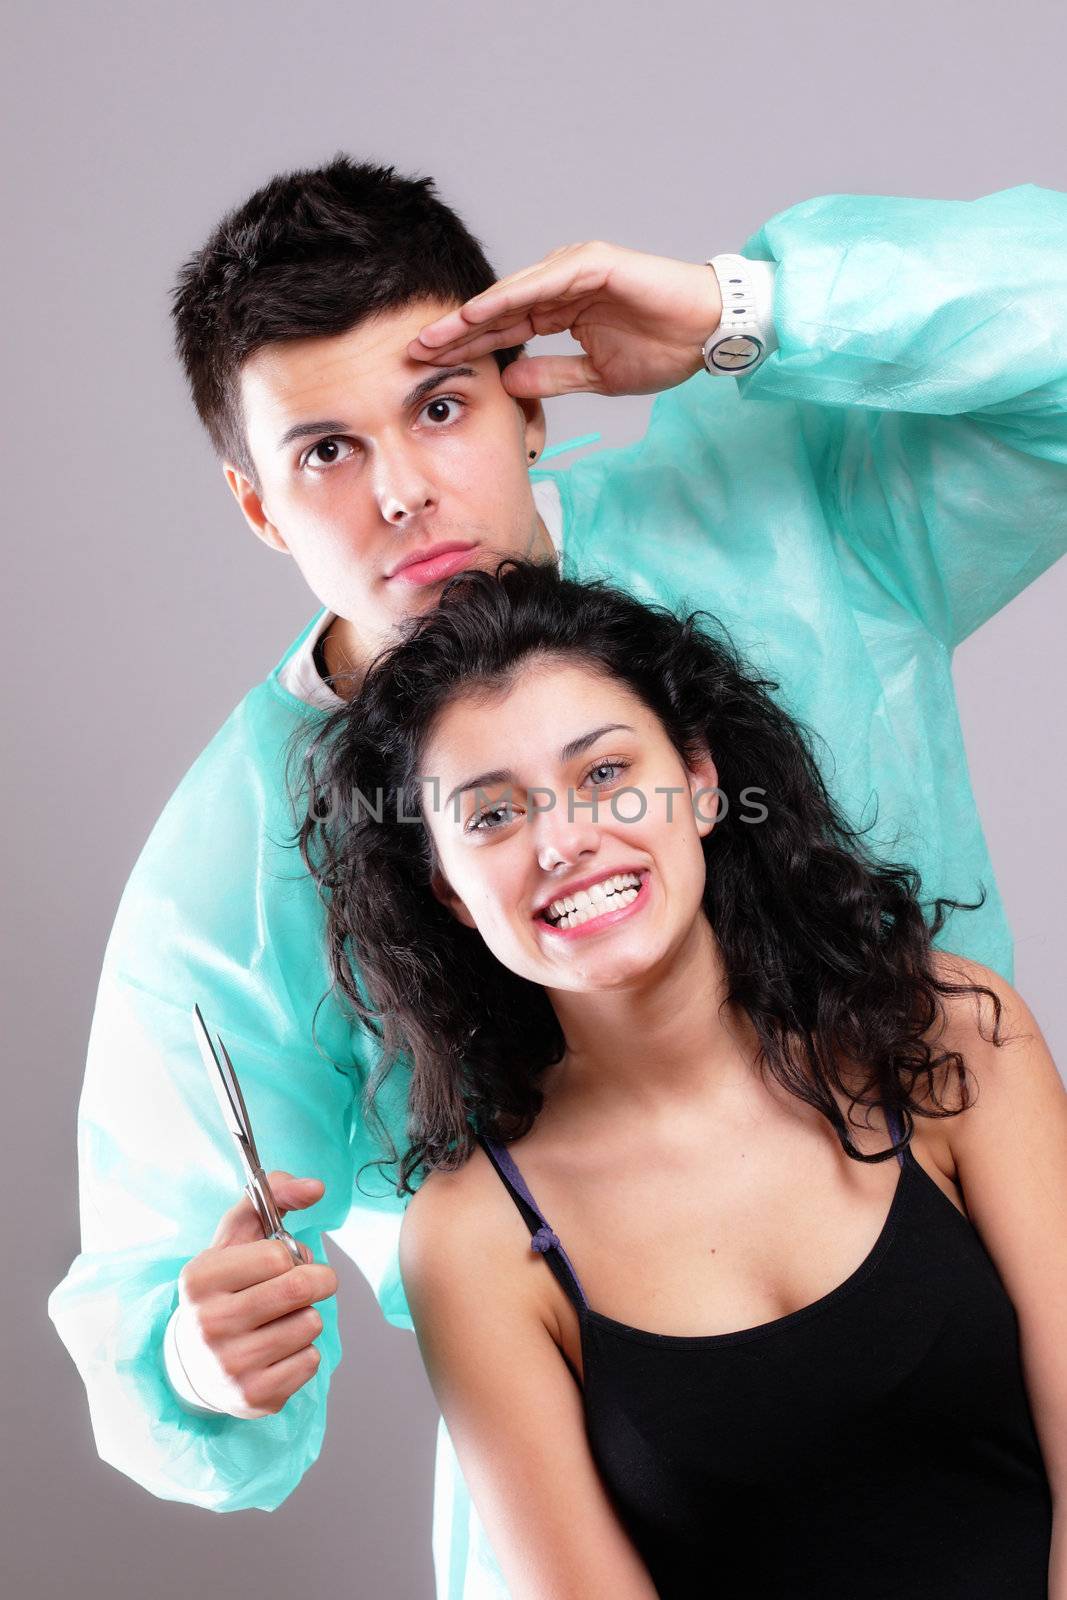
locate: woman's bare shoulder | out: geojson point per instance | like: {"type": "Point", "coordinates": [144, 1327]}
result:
{"type": "Point", "coordinates": [512, 1407]}
{"type": "Point", "coordinates": [460, 1220]}
{"type": "Point", "coordinates": [1009, 1069]}
{"type": "Point", "coordinates": [988, 1002]}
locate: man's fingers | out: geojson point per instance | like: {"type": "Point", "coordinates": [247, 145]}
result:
{"type": "Point", "coordinates": [295, 1194]}
{"type": "Point", "coordinates": [475, 345]}
{"type": "Point", "coordinates": [282, 1337]}
{"type": "Point", "coordinates": [539, 377]}
{"type": "Point", "coordinates": [547, 317]}
{"type": "Point", "coordinates": [567, 277]}
{"type": "Point", "coordinates": [264, 1302]}
{"type": "Point", "coordinates": [284, 1378]}
{"type": "Point", "coordinates": [243, 1265]}
{"type": "Point", "coordinates": [241, 1224]}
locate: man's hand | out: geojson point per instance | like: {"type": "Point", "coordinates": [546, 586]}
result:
{"type": "Point", "coordinates": [246, 1318]}
{"type": "Point", "coordinates": [641, 320]}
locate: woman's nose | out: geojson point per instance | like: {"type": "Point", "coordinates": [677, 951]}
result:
{"type": "Point", "coordinates": [562, 840]}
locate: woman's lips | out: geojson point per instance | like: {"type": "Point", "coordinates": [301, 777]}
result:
{"type": "Point", "coordinates": [606, 919]}
{"type": "Point", "coordinates": [435, 567]}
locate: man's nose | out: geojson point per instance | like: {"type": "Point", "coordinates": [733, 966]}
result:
{"type": "Point", "coordinates": [401, 486]}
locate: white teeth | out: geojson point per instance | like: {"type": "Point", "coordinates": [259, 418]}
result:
{"type": "Point", "coordinates": [586, 913]}
{"type": "Point", "coordinates": [611, 893]}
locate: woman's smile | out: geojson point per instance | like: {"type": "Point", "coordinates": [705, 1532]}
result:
{"type": "Point", "coordinates": [603, 906]}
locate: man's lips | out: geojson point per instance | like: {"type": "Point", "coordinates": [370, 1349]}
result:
{"type": "Point", "coordinates": [433, 561]}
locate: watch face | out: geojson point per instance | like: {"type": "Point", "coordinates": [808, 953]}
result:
{"type": "Point", "coordinates": [734, 354]}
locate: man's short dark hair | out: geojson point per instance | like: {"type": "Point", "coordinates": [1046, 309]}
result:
{"type": "Point", "coordinates": [313, 252]}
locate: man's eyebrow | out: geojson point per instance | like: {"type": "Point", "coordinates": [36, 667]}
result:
{"type": "Point", "coordinates": [427, 385]}
{"type": "Point", "coordinates": [568, 753]}
{"type": "Point", "coordinates": [306, 430]}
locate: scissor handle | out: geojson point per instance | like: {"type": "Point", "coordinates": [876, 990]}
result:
{"type": "Point", "coordinates": [259, 1192]}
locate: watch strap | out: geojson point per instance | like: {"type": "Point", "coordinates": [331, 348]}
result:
{"type": "Point", "coordinates": [746, 327]}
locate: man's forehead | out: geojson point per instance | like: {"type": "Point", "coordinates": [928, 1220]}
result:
{"type": "Point", "coordinates": [291, 379]}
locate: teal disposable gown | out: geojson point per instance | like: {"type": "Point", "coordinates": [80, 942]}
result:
{"type": "Point", "coordinates": [892, 475]}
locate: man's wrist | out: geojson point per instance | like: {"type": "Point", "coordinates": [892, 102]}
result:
{"type": "Point", "coordinates": [177, 1376]}
{"type": "Point", "coordinates": [745, 335]}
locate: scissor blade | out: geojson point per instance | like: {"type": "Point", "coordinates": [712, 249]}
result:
{"type": "Point", "coordinates": [227, 1090]}
{"type": "Point", "coordinates": [234, 1088]}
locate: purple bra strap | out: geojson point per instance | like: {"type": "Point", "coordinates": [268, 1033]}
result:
{"type": "Point", "coordinates": [544, 1239]}
{"type": "Point", "coordinates": [896, 1129]}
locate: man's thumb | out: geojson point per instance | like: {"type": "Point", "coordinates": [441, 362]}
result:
{"type": "Point", "coordinates": [241, 1225]}
{"type": "Point", "coordinates": [295, 1194]}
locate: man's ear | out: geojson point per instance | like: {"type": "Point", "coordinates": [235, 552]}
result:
{"type": "Point", "coordinates": [253, 509]}
{"type": "Point", "coordinates": [448, 897]}
{"type": "Point", "coordinates": [533, 426]}
{"type": "Point", "coordinates": [703, 776]}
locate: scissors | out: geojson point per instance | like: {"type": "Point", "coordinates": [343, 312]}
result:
{"type": "Point", "coordinates": [235, 1115]}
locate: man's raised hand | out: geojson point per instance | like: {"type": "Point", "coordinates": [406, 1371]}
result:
{"type": "Point", "coordinates": [641, 321]}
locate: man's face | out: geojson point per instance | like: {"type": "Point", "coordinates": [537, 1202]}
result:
{"type": "Point", "coordinates": [366, 457]}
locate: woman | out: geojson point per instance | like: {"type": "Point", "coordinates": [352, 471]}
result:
{"type": "Point", "coordinates": [794, 1318]}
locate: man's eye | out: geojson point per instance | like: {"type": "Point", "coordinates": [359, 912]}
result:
{"type": "Point", "coordinates": [323, 449]}
{"type": "Point", "coordinates": [443, 402]}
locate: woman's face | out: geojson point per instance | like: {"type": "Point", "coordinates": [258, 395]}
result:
{"type": "Point", "coordinates": [566, 792]}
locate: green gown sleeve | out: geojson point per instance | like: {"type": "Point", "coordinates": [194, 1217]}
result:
{"type": "Point", "coordinates": [924, 343]}
{"type": "Point", "coordinates": [216, 912]}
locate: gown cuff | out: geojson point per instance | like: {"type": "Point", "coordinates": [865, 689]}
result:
{"type": "Point", "coordinates": [177, 1376]}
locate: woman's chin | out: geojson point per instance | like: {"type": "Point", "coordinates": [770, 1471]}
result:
{"type": "Point", "coordinates": [607, 964]}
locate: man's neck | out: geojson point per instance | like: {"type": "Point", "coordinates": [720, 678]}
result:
{"type": "Point", "coordinates": [335, 659]}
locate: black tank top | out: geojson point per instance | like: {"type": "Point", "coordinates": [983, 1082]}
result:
{"type": "Point", "coordinates": [878, 1443]}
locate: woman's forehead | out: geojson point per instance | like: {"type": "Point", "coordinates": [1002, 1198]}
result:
{"type": "Point", "coordinates": [548, 704]}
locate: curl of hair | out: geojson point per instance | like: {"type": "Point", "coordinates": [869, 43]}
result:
{"type": "Point", "coordinates": [827, 950]}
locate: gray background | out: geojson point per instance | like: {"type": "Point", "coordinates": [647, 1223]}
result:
{"type": "Point", "coordinates": [143, 609]}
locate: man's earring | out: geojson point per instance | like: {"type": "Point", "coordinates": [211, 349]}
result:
{"type": "Point", "coordinates": [533, 455]}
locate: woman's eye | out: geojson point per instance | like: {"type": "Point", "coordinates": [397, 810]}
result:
{"type": "Point", "coordinates": [450, 404]}
{"type": "Point", "coordinates": [325, 446]}
{"type": "Point", "coordinates": [476, 823]}
{"type": "Point", "coordinates": [607, 766]}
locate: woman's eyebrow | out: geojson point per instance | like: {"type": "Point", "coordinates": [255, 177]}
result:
{"type": "Point", "coordinates": [568, 753]}
{"type": "Point", "coordinates": [306, 430]}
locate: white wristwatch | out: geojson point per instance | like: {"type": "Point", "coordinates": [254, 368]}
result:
{"type": "Point", "coordinates": [745, 336]}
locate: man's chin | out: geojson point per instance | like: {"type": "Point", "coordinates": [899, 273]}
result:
{"type": "Point", "coordinates": [411, 597]}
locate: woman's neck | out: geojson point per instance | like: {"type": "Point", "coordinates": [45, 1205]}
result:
{"type": "Point", "coordinates": [653, 1049]}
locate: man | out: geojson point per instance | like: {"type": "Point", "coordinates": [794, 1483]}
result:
{"type": "Point", "coordinates": [858, 454]}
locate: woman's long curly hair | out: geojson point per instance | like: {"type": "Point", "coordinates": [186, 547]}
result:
{"type": "Point", "coordinates": [827, 951]}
